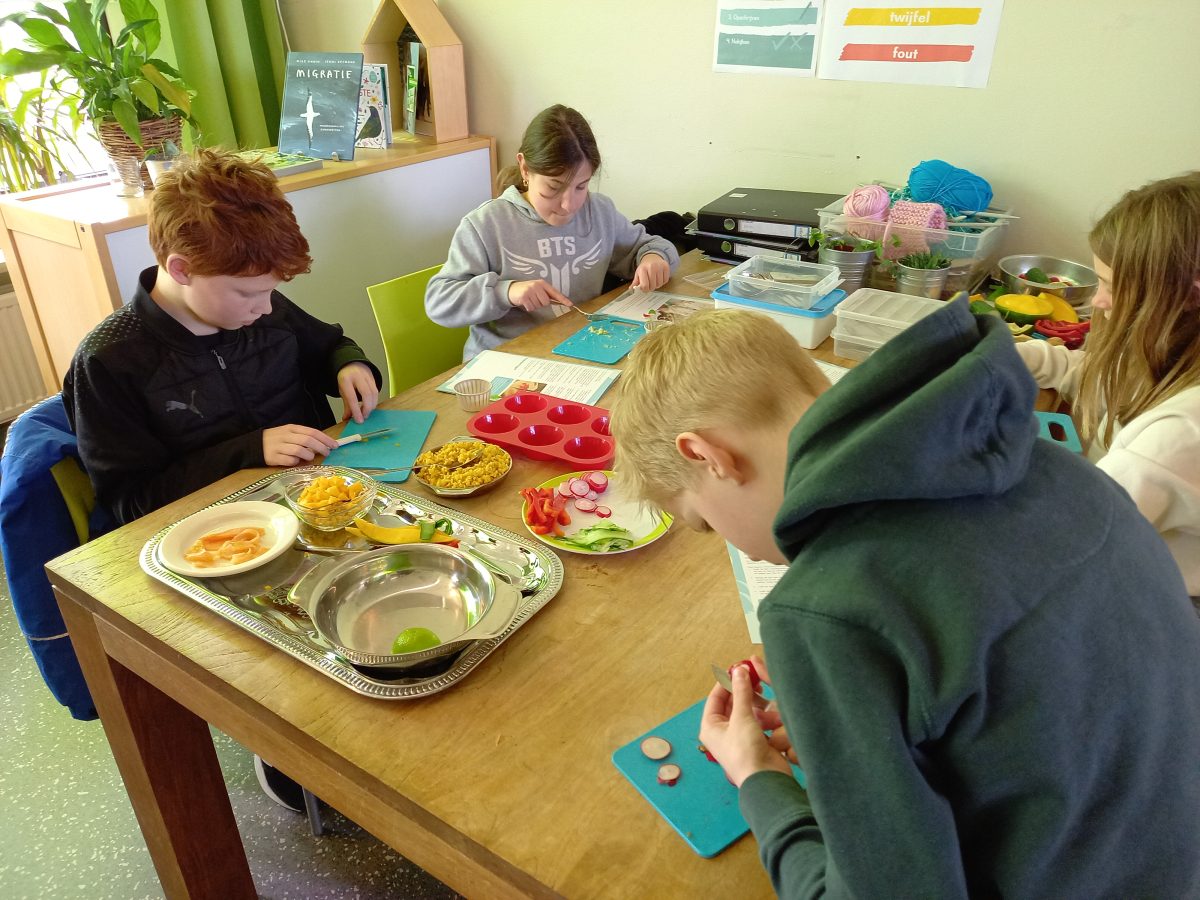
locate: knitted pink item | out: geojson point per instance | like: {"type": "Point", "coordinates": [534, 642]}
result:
{"type": "Point", "coordinates": [909, 223]}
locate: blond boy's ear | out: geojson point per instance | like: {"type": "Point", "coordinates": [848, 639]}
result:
{"type": "Point", "coordinates": [179, 269]}
{"type": "Point", "coordinates": [710, 455]}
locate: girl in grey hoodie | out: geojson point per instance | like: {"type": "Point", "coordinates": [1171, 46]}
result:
{"type": "Point", "coordinates": [545, 243]}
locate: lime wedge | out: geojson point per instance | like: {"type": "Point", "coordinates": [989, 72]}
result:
{"type": "Point", "coordinates": [414, 640]}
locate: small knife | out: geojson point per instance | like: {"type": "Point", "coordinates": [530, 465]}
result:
{"type": "Point", "coordinates": [350, 439]}
{"type": "Point", "coordinates": [725, 681]}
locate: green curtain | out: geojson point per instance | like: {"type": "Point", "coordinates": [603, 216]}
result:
{"type": "Point", "coordinates": [231, 53]}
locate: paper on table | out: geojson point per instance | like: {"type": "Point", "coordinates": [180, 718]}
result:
{"type": "Point", "coordinates": [832, 372]}
{"type": "Point", "coordinates": [633, 305]}
{"type": "Point", "coordinates": [509, 372]}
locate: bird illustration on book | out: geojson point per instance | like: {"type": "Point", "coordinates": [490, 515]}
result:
{"type": "Point", "coordinates": [309, 114]}
{"type": "Point", "coordinates": [373, 127]}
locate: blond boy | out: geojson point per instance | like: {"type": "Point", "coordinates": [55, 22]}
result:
{"type": "Point", "coordinates": [984, 657]}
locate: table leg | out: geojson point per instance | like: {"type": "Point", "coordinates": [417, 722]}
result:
{"type": "Point", "coordinates": [167, 760]}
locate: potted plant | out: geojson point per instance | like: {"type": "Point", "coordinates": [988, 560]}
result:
{"type": "Point", "coordinates": [161, 158]}
{"type": "Point", "coordinates": [922, 274]}
{"type": "Point", "coordinates": [36, 128]}
{"type": "Point", "coordinates": [852, 255]}
{"type": "Point", "coordinates": [132, 98]}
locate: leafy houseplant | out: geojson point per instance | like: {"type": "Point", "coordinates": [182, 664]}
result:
{"type": "Point", "coordinates": [131, 96]}
{"type": "Point", "coordinates": [36, 128]}
{"type": "Point", "coordinates": [922, 273]}
{"type": "Point", "coordinates": [852, 255]}
{"type": "Point", "coordinates": [161, 158]}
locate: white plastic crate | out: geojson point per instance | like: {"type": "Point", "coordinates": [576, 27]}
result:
{"type": "Point", "coordinates": [783, 282]}
{"type": "Point", "coordinates": [854, 347]}
{"type": "Point", "coordinates": [875, 316]}
{"type": "Point", "coordinates": [810, 327]}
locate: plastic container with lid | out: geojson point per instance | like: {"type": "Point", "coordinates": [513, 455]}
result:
{"type": "Point", "coordinates": [783, 282]}
{"type": "Point", "coordinates": [869, 316]}
{"type": "Point", "coordinates": [808, 326]}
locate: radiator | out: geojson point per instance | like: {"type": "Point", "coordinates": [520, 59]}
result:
{"type": "Point", "coordinates": [20, 379]}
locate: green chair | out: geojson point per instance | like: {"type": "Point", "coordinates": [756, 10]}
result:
{"type": "Point", "coordinates": [415, 347]}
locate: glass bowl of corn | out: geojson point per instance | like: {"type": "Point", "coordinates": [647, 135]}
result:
{"type": "Point", "coordinates": [493, 465]}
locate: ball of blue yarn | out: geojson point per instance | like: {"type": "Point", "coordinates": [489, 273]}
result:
{"type": "Point", "coordinates": [957, 190]}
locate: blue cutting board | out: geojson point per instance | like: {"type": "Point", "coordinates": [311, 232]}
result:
{"type": "Point", "coordinates": [409, 427]}
{"type": "Point", "coordinates": [1066, 436]}
{"type": "Point", "coordinates": [702, 806]}
{"type": "Point", "coordinates": [602, 340]}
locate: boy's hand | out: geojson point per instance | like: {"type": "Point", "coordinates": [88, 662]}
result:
{"type": "Point", "coordinates": [356, 384]}
{"type": "Point", "coordinates": [292, 445]}
{"type": "Point", "coordinates": [730, 730]}
{"type": "Point", "coordinates": [652, 273]}
{"type": "Point", "coordinates": [536, 294]}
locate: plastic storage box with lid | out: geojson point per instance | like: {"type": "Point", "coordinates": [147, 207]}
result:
{"type": "Point", "coordinates": [783, 282]}
{"type": "Point", "coordinates": [971, 243]}
{"type": "Point", "coordinates": [808, 326]}
{"type": "Point", "coordinates": [869, 318]}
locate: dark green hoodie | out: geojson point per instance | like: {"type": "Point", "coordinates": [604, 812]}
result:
{"type": "Point", "coordinates": [985, 656]}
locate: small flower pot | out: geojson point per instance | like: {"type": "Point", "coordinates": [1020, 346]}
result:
{"type": "Point", "coordinates": [156, 167]}
{"type": "Point", "coordinates": [921, 282]}
{"type": "Point", "coordinates": [852, 264]}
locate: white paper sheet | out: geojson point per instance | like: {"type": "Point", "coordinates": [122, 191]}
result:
{"type": "Point", "coordinates": [509, 372]}
{"type": "Point", "coordinates": [634, 305]}
{"type": "Point", "coordinates": [944, 42]}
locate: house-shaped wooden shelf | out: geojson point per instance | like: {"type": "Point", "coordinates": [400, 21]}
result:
{"type": "Point", "coordinates": [444, 52]}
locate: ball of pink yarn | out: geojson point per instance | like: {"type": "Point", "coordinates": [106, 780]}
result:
{"type": "Point", "coordinates": [868, 202]}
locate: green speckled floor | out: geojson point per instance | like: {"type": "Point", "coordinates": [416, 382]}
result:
{"type": "Point", "coordinates": [68, 830]}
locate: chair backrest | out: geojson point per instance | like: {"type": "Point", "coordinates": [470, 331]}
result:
{"type": "Point", "coordinates": [415, 347]}
{"type": "Point", "coordinates": [47, 507]}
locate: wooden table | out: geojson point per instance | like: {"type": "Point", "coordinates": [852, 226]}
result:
{"type": "Point", "coordinates": [501, 786]}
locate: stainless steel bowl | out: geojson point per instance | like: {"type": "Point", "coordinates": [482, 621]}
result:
{"type": "Point", "coordinates": [361, 602]}
{"type": "Point", "coordinates": [1078, 294]}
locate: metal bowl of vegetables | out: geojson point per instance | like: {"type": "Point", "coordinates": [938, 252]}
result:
{"type": "Point", "coordinates": [402, 606]}
{"type": "Point", "coordinates": [1033, 274]}
{"type": "Point", "coordinates": [493, 466]}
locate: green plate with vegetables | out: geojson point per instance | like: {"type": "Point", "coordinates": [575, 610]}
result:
{"type": "Point", "coordinates": [602, 520]}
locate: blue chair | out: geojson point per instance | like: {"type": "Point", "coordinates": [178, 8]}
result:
{"type": "Point", "coordinates": [47, 507]}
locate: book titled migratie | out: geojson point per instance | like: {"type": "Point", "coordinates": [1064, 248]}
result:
{"type": "Point", "coordinates": [320, 104]}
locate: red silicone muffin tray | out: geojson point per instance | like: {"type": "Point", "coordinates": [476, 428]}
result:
{"type": "Point", "coordinates": [544, 427]}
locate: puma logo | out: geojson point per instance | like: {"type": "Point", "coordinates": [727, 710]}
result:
{"type": "Point", "coordinates": [173, 405]}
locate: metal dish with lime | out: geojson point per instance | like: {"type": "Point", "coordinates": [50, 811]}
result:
{"type": "Point", "coordinates": [606, 523]}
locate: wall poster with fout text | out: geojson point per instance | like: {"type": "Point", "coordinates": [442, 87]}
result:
{"type": "Point", "coordinates": [777, 37]}
{"type": "Point", "coordinates": [943, 42]}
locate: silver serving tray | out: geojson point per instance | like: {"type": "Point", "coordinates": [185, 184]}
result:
{"type": "Point", "coordinates": [258, 600]}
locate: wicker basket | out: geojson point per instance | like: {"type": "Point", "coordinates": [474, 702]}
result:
{"type": "Point", "coordinates": [155, 132]}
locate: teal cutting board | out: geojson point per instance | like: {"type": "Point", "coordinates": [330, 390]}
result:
{"type": "Point", "coordinates": [602, 340]}
{"type": "Point", "coordinates": [409, 427]}
{"type": "Point", "coordinates": [702, 806]}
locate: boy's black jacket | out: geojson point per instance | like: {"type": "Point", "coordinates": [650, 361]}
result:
{"type": "Point", "coordinates": [161, 412]}
{"type": "Point", "coordinates": [984, 655]}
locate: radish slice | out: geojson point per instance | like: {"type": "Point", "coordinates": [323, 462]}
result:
{"type": "Point", "coordinates": [583, 504]}
{"type": "Point", "coordinates": [564, 490]}
{"type": "Point", "coordinates": [603, 512]}
{"type": "Point", "coordinates": [656, 748]}
{"type": "Point", "coordinates": [707, 755]}
{"type": "Point", "coordinates": [668, 774]}
{"type": "Point", "coordinates": [597, 480]}
{"type": "Point", "coordinates": [579, 487]}
{"type": "Point", "coordinates": [592, 495]}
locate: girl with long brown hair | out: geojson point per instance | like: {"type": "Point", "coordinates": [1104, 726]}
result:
{"type": "Point", "coordinates": [1135, 386]}
{"type": "Point", "coordinates": [544, 244]}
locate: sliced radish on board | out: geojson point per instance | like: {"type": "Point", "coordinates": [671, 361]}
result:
{"type": "Point", "coordinates": [597, 480]}
{"type": "Point", "coordinates": [603, 512]}
{"type": "Point", "coordinates": [564, 490]}
{"type": "Point", "coordinates": [579, 487]}
{"type": "Point", "coordinates": [668, 774]}
{"type": "Point", "coordinates": [585, 505]}
{"type": "Point", "coordinates": [656, 748]}
{"type": "Point", "coordinates": [707, 755]}
{"type": "Point", "coordinates": [592, 495]}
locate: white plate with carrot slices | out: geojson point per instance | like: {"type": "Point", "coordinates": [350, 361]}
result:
{"type": "Point", "coordinates": [228, 539]}
{"type": "Point", "coordinates": [598, 517]}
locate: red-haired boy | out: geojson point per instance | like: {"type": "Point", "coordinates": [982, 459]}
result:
{"type": "Point", "coordinates": [209, 369]}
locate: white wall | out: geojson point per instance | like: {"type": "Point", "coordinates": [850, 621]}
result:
{"type": "Point", "coordinates": [1085, 100]}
